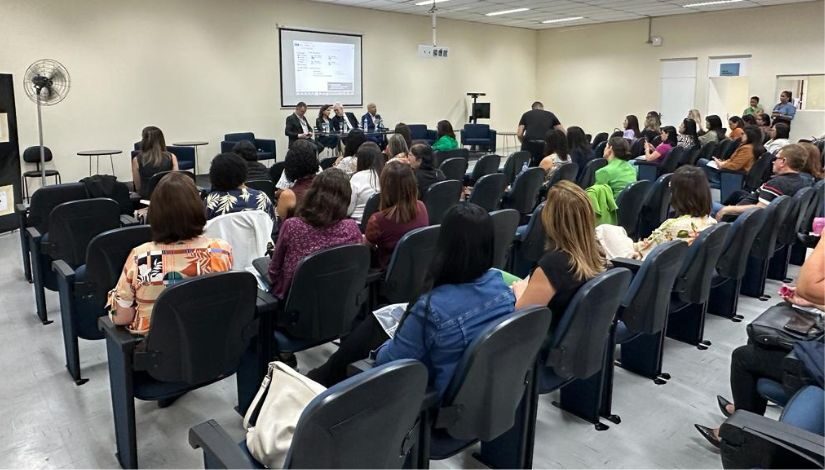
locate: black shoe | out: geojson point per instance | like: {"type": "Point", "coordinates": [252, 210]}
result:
{"type": "Point", "coordinates": [723, 405]}
{"type": "Point", "coordinates": [707, 433]}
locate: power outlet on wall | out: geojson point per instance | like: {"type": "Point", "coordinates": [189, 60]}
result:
{"type": "Point", "coordinates": [437, 52]}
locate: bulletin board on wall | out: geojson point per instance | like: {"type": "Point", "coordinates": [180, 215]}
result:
{"type": "Point", "coordinates": [9, 156]}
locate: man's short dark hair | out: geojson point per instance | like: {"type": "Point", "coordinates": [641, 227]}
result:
{"type": "Point", "coordinates": [621, 149]}
{"type": "Point", "coordinates": [301, 160]}
{"type": "Point", "coordinates": [246, 150]}
{"type": "Point", "coordinates": [755, 98]}
{"type": "Point", "coordinates": [424, 153]}
{"type": "Point", "coordinates": [300, 104]}
{"type": "Point", "coordinates": [537, 105]}
{"type": "Point", "coordinates": [227, 172]}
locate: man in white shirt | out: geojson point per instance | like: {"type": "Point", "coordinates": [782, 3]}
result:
{"type": "Point", "coordinates": [343, 121]}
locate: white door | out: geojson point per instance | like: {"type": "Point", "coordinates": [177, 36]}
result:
{"type": "Point", "coordinates": [678, 85]}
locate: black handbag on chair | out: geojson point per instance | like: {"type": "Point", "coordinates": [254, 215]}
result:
{"type": "Point", "coordinates": [783, 325]}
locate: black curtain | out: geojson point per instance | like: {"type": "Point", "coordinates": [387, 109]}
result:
{"type": "Point", "coordinates": [9, 151]}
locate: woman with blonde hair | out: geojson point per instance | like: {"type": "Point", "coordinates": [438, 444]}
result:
{"type": "Point", "coordinates": [573, 255]}
{"type": "Point", "coordinates": [152, 159]}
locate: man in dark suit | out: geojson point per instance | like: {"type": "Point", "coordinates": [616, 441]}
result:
{"type": "Point", "coordinates": [372, 122]}
{"type": "Point", "coordinates": [343, 122]}
{"type": "Point", "coordinates": [297, 126]}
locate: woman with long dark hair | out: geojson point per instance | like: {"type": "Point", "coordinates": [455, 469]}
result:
{"type": "Point", "coordinates": [446, 137]}
{"type": "Point", "coordinates": [153, 158]}
{"type": "Point", "coordinates": [687, 134]}
{"type": "Point", "coordinates": [715, 131]}
{"type": "Point", "coordinates": [742, 159]}
{"type": "Point", "coordinates": [555, 151]}
{"type": "Point", "coordinates": [364, 183]}
{"type": "Point", "coordinates": [580, 150]}
{"type": "Point", "coordinates": [660, 152]}
{"type": "Point", "coordinates": [324, 124]}
{"type": "Point", "coordinates": [631, 127]}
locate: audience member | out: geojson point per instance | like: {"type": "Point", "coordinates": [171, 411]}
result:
{"type": "Point", "coordinates": [255, 170]}
{"type": "Point", "coordinates": [533, 127]}
{"type": "Point", "coordinates": [754, 108]}
{"type": "Point", "coordinates": [755, 361]}
{"type": "Point", "coordinates": [555, 151]}
{"type": "Point", "coordinates": [152, 158]}
{"type": "Point", "coordinates": [687, 137]}
{"type": "Point", "coordinates": [462, 295]}
{"type": "Point", "coordinates": [178, 251]}
{"type": "Point", "coordinates": [324, 125]}
{"type": "Point", "coordinates": [580, 150]}
{"type": "Point", "coordinates": [696, 117]}
{"type": "Point", "coordinates": [737, 128]}
{"type": "Point", "coordinates": [573, 258]}
{"type": "Point", "coordinates": [300, 167]}
{"type": "Point", "coordinates": [421, 160]}
{"type": "Point", "coordinates": [784, 111]}
{"type": "Point", "coordinates": [813, 170]}
{"type": "Point", "coordinates": [779, 137]}
{"type": "Point", "coordinates": [660, 152]}
{"type": "Point", "coordinates": [227, 175]}
{"type": "Point", "coordinates": [618, 173]}
{"type": "Point", "coordinates": [785, 182]}
{"type": "Point", "coordinates": [764, 123]}
{"type": "Point", "coordinates": [749, 120]}
{"type": "Point", "coordinates": [352, 142]}
{"type": "Point", "coordinates": [631, 127]}
{"type": "Point", "coordinates": [320, 222]}
{"type": "Point", "coordinates": [653, 125]}
{"type": "Point", "coordinates": [404, 131]}
{"type": "Point", "coordinates": [365, 181]}
{"type": "Point", "coordinates": [715, 132]}
{"type": "Point", "coordinates": [397, 148]}
{"type": "Point", "coordinates": [446, 137]}
{"type": "Point", "coordinates": [742, 158]}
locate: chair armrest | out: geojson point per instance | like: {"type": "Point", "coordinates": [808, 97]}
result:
{"type": "Point", "coordinates": [794, 374]}
{"type": "Point", "coordinates": [218, 445]}
{"type": "Point", "coordinates": [63, 270]}
{"type": "Point", "coordinates": [128, 220]}
{"type": "Point", "coordinates": [633, 265]}
{"type": "Point", "coordinates": [117, 334]}
{"type": "Point", "coordinates": [33, 234]}
{"type": "Point", "coordinates": [647, 163]}
{"type": "Point", "coordinates": [21, 208]}
{"type": "Point", "coordinates": [375, 275]}
{"type": "Point", "coordinates": [360, 366]}
{"type": "Point", "coordinates": [753, 441]}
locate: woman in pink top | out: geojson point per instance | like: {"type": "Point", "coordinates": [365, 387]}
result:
{"type": "Point", "coordinates": [320, 222]}
{"type": "Point", "coordinates": [658, 154]}
{"type": "Point", "coordinates": [400, 211]}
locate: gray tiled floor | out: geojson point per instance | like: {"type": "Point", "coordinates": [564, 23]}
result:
{"type": "Point", "coordinates": [49, 422]}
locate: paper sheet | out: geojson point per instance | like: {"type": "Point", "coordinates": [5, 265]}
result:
{"type": "Point", "coordinates": [389, 317]}
{"type": "Point", "coordinates": [4, 128]}
{"type": "Point", "coordinates": [713, 164]}
{"type": "Point", "coordinates": [6, 200]}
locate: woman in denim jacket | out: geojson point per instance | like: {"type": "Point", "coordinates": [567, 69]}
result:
{"type": "Point", "coordinates": [462, 296]}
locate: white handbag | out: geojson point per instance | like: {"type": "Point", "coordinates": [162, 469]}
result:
{"type": "Point", "coordinates": [271, 418]}
{"type": "Point", "coordinates": [614, 241]}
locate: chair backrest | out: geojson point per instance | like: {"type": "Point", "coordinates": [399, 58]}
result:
{"type": "Point", "coordinates": [765, 242]}
{"type": "Point", "coordinates": [630, 202]}
{"type": "Point", "coordinates": [707, 150]}
{"type": "Point", "coordinates": [47, 198]}
{"type": "Point", "coordinates": [577, 345]}
{"type": "Point", "coordinates": [362, 422]}
{"type": "Point", "coordinates": [598, 151]}
{"type": "Point", "coordinates": [409, 264]}
{"type": "Point", "coordinates": [757, 172]}
{"type": "Point", "coordinates": [738, 243]}
{"type": "Point", "coordinates": [418, 131]}
{"type": "Point", "coordinates": [72, 225]}
{"type": "Point", "coordinates": [441, 197]}
{"type": "Point", "coordinates": [525, 189]}
{"type": "Point", "coordinates": [265, 186]}
{"type": "Point", "coordinates": [239, 136]}
{"type": "Point", "coordinates": [184, 155]}
{"type": "Point", "coordinates": [655, 208]}
{"type": "Point", "coordinates": [637, 147]}
{"type": "Point", "coordinates": [276, 170]}
{"type": "Point", "coordinates": [814, 208]}
{"type": "Point", "coordinates": [370, 208]}
{"type": "Point", "coordinates": [486, 165]}
{"type": "Point", "coordinates": [326, 292]}
{"type": "Point", "coordinates": [248, 232]}
{"type": "Point", "coordinates": [489, 382]}
{"type": "Point", "coordinates": [793, 221]}
{"type": "Point", "coordinates": [514, 163]}
{"type": "Point", "coordinates": [32, 154]}
{"type": "Point", "coordinates": [155, 179]}
{"type": "Point", "coordinates": [566, 172]}
{"type": "Point", "coordinates": [731, 147]}
{"type": "Point", "coordinates": [693, 282]}
{"type": "Point", "coordinates": [327, 163]}
{"type": "Point", "coordinates": [106, 255]}
{"type": "Point", "coordinates": [454, 168]}
{"type": "Point", "coordinates": [476, 131]}
{"type": "Point", "coordinates": [722, 147]}
{"type": "Point", "coordinates": [505, 223]}
{"type": "Point", "coordinates": [534, 244]}
{"type": "Point", "coordinates": [444, 155]}
{"type": "Point", "coordinates": [599, 138]}
{"type": "Point", "coordinates": [645, 305]}
{"type": "Point", "coordinates": [488, 190]}
{"type": "Point", "coordinates": [671, 161]}
{"type": "Point", "coordinates": [589, 173]}
{"type": "Point", "coordinates": [200, 328]}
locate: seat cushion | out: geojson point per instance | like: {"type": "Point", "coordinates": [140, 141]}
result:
{"type": "Point", "coordinates": [288, 344]}
{"type": "Point", "coordinates": [149, 389]}
{"type": "Point", "coordinates": [623, 333]}
{"type": "Point", "coordinates": [36, 173]}
{"type": "Point", "coordinates": [549, 381]}
{"type": "Point", "coordinates": [443, 446]}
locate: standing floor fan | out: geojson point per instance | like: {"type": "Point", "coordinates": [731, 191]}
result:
{"type": "Point", "coordinates": [46, 83]}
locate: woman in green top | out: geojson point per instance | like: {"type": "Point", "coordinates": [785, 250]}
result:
{"type": "Point", "coordinates": [618, 173]}
{"type": "Point", "coordinates": [446, 137]}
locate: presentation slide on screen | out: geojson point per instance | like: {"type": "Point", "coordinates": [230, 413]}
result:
{"type": "Point", "coordinates": [320, 68]}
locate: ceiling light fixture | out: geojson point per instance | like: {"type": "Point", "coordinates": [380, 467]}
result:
{"type": "Point", "coordinates": [504, 12]}
{"type": "Point", "coordinates": [430, 2]}
{"type": "Point", "coordinates": [706, 4]}
{"type": "Point", "coordinates": [562, 20]}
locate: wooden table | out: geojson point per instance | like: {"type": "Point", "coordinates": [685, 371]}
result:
{"type": "Point", "coordinates": [98, 154]}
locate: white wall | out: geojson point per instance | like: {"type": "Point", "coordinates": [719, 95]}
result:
{"type": "Point", "coordinates": [201, 68]}
{"type": "Point", "coordinates": [592, 76]}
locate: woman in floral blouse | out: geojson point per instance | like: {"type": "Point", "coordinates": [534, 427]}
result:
{"type": "Point", "coordinates": [178, 251]}
{"type": "Point", "coordinates": [692, 203]}
{"type": "Point", "coordinates": [229, 195]}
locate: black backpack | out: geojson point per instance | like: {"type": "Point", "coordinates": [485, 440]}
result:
{"type": "Point", "coordinates": [108, 186]}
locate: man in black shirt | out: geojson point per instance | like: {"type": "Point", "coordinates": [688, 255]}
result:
{"type": "Point", "coordinates": [532, 128]}
{"type": "Point", "coordinates": [785, 182]}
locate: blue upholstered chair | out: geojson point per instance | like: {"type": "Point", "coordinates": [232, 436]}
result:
{"type": "Point", "coordinates": [479, 135]}
{"type": "Point", "coordinates": [420, 132]}
{"type": "Point", "coordinates": [266, 147]}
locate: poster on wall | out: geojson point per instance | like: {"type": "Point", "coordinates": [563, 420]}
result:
{"type": "Point", "coordinates": [6, 200]}
{"type": "Point", "coordinates": [4, 128]}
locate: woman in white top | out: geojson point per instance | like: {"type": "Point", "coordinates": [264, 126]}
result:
{"type": "Point", "coordinates": [779, 137]}
{"type": "Point", "coordinates": [555, 151]}
{"type": "Point", "coordinates": [370, 162]}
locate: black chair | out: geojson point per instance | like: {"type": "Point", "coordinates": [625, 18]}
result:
{"type": "Point", "coordinates": [630, 202]}
{"type": "Point", "coordinates": [454, 168]}
{"type": "Point", "coordinates": [722, 149]}
{"type": "Point", "coordinates": [200, 329]}
{"type": "Point", "coordinates": [409, 265]}
{"type": "Point", "coordinates": [441, 197]}
{"type": "Point", "coordinates": [327, 292]}
{"type": "Point", "coordinates": [373, 203]}
{"type": "Point", "coordinates": [488, 191]}
{"type": "Point", "coordinates": [707, 151]}
{"type": "Point", "coordinates": [83, 291]}
{"type": "Point", "coordinates": [524, 191]}
{"type": "Point", "coordinates": [71, 226]}
{"type": "Point", "coordinates": [598, 150]}
{"type": "Point", "coordinates": [730, 269]}
{"type": "Point", "coordinates": [491, 397]}
{"type": "Point", "coordinates": [185, 157]}
{"type": "Point", "coordinates": [266, 147]}
{"type": "Point", "coordinates": [155, 179]}
{"type": "Point", "coordinates": [653, 170]}
{"type": "Point", "coordinates": [32, 155]}
{"type": "Point", "coordinates": [788, 233]}
{"type": "Point", "coordinates": [686, 319]}
{"type": "Point", "coordinates": [365, 421]}
{"type": "Point", "coordinates": [655, 208]}
{"type": "Point", "coordinates": [566, 172]}
{"type": "Point", "coordinates": [505, 224]}
{"type": "Point", "coordinates": [444, 155]}
{"type": "Point", "coordinates": [265, 186]}
{"type": "Point", "coordinates": [529, 245]}
{"type": "Point", "coordinates": [642, 316]}
{"type": "Point", "coordinates": [588, 176]}
{"type": "Point", "coordinates": [514, 164]}
{"type": "Point", "coordinates": [326, 163]}
{"type": "Point", "coordinates": [753, 441]}
{"type": "Point", "coordinates": [36, 214]}
{"type": "Point", "coordinates": [756, 270]}
{"type": "Point", "coordinates": [729, 148]}
{"type": "Point", "coordinates": [486, 165]}
{"type": "Point", "coordinates": [599, 138]}
{"type": "Point", "coordinates": [637, 148]}
{"type": "Point", "coordinates": [799, 248]}
{"type": "Point", "coordinates": [732, 181]}
{"type": "Point", "coordinates": [276, 170]}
